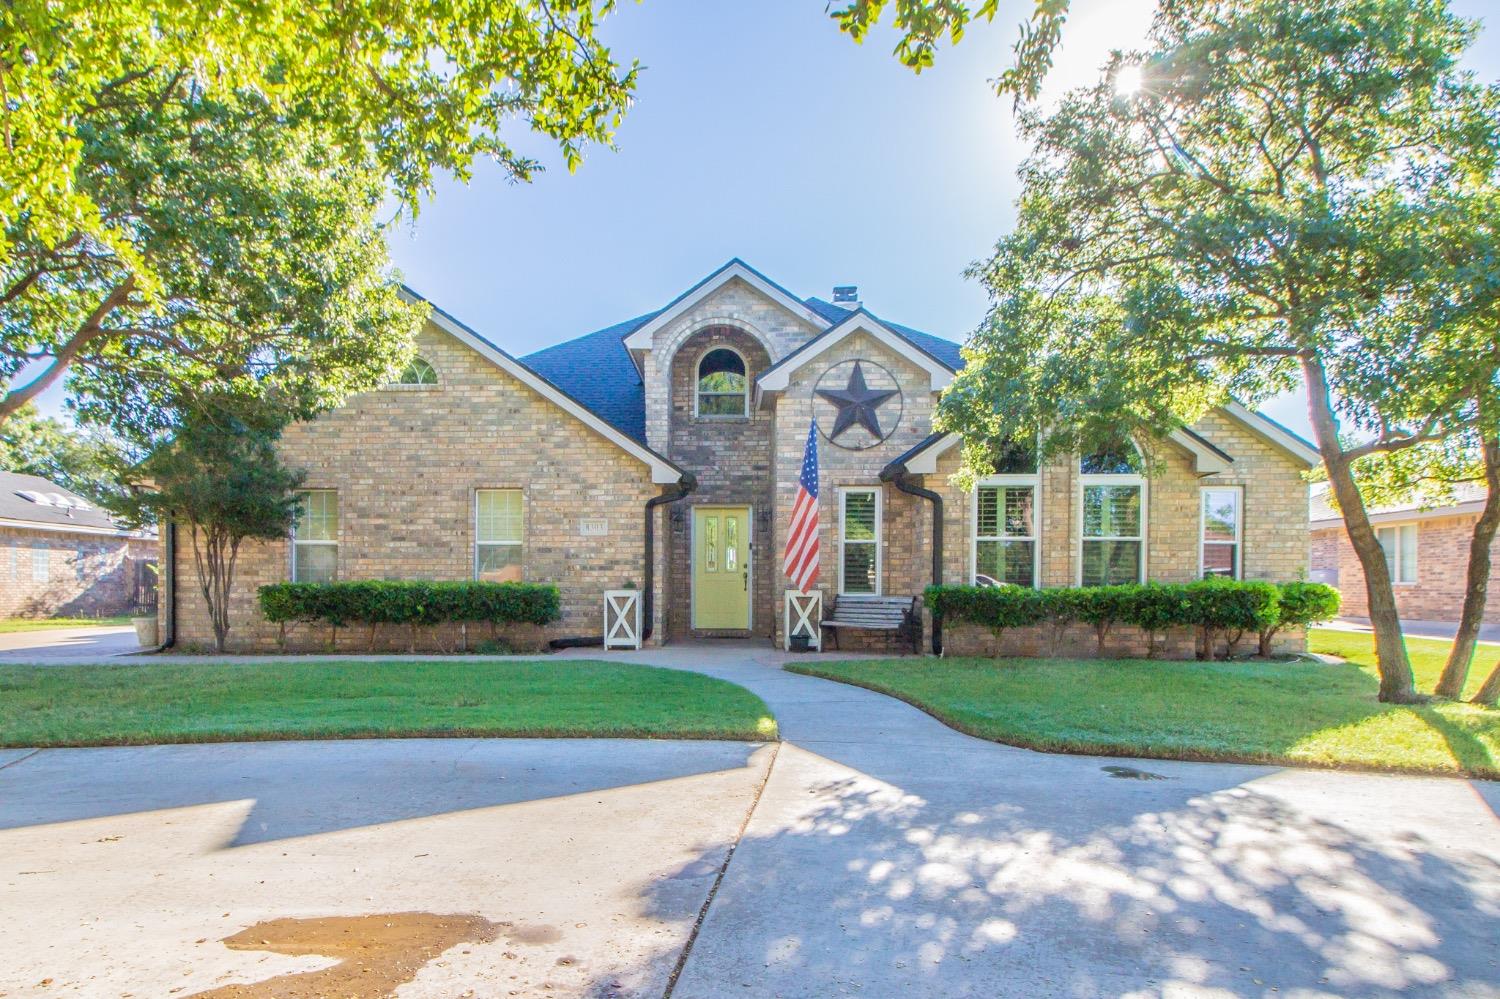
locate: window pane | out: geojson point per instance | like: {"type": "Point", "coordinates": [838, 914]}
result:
{"type": "Point", "coordinates": [499, 519]}
{"type": "Point", "coordinates": [1387, 536]}
{"type": "Point", "coordinates": [418, 372]}
{"type": "Point", "coordinates": [1006, 561]}
{"type": "Point", "coordinates": [988, 522]}
{"type": "Point", "coordinates": [1409, 553]}
{"type": "Point", "coordinates": [722, 381]}
{"type": "Point", "coordinates": [1221, 514]}
{"type": "Point", "coordinates": [721, 405]}
{"type": "Point", "coordinates": [859, 516]}
{"type": "Point", "coordinates": [859, 567]}
{"type": "Point", "coordinates": [41, 564]}
{"type": "Point", "coordinates": [499, 563]}
{"type": "Point", "coordinates": [711, 544]}
{"type": "Point", "coordinates": [1018, 511]}
{"type": "Point", "coordinates": [1110, 563]}
{"type": "Point", "coordinates": [1112, 511]}
{"type": "Point", "coordinates": [318, 516]}
{"type": "Point", "coordinates": [316, 563]}
{"type": "Point", "coordinates": [731, 543]}
{"type": "Point", "coordinates": [1218, 560]}
{"type": "Point", "coordinates": [1121, 459]}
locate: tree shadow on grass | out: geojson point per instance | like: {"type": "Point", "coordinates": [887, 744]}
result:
{"type": "Point", "coordinates": [1114, 888]}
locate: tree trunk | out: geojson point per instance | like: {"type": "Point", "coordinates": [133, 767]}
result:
{"type": "Point", "coordinates": [1490, 692]}
{"type": "Point", "coordinates": [1477, 583]}
{"type": "Point", "coordinates": [1396, 685]}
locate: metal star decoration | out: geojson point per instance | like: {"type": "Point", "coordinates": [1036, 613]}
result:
{"type": "Point", "coordinates": [856, 404]}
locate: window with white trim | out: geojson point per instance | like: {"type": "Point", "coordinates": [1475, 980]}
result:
{"type": "Point", "coordinates": [1400, 544]}
{"type": "Point", "coordinates": [1219, 531]}
{"type": "Point", "coordinates": [497, 535]}
{"type": "Point", "coordinates": [1112, 518]}
{"type": "Point", "coordinates": [723, 387]}
{"type": "Point", "coordinates": [1005, 531]}
{"type": "Point", "coordinates": [315, 537]}
{"type": "Point", "coordinates": [859, 540]}
{"type": "Point", "coordinates": [41, 563]}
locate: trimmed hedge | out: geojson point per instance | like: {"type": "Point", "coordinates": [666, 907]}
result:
{"type": "Point", "coordinates": [375, 602]}
{"type": "Point", "coordinates": [1215, 607]}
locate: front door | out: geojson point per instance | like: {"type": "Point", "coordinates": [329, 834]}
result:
{"type": "Point", "coordinates": [721, 567]}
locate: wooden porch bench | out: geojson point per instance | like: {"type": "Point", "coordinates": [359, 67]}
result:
{"type": "Point", "coordinates": [896, 616]}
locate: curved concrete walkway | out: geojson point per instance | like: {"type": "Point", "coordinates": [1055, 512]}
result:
{"type": "Point", "coordinates": [888, 855]}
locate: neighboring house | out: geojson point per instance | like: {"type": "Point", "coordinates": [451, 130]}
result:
{"type": "Point", "coordinates": [1426, 548]}
{"type": "Point", "coordinates": [62, 556]}
{"type": "Point", "coordinates": [663, 453]}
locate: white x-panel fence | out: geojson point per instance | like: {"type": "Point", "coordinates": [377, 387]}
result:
{"type": "Point", "coordinates": [803, 614]}
{"type": "Point", "coordinates": [622, 619]}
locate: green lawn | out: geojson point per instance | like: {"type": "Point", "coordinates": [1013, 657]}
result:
{"type": "Point", "coordinates": [159, 703]}
{"type": "Point", "coordinates": [13, 624]}
{"type": "Point", "coordinates": [1302, 713]}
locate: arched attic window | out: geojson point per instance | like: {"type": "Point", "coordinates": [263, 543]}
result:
{"type": "Point", "coordinates": [723, 388]}
{"type": "Point", "coordinates": [1113, 516]}
{"type": "Point", "coordinates": [418, 372]}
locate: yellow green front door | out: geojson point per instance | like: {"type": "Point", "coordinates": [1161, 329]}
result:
{"type": "Point", "coordinates": [721, 567]}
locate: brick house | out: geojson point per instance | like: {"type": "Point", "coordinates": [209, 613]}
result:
{"type": "Point", "coordinates": [62, 556]}
{"type": "Point", "coordinates": [663, 453]}
{"type": "Point", "coordinates": [1426, 547]}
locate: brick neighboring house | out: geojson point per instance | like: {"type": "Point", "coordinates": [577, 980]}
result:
{"type": "Point", "coordinates": [1427, 551]}
{"type": "Point", "coordinates": [62, 556]}
{"type": "Point", "coordinates": [663, 452]}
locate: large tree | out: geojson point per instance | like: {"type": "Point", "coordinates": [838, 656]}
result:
{"type": "Point", "coordinates": [104, 108]}
{"type": "Point", "coordinates": [1268, 193]}
{"type": "Point", "coordinates": [247, 255]}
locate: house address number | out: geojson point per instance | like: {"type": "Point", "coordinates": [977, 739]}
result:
{"type": "Point", "coordinates": [593, 527]}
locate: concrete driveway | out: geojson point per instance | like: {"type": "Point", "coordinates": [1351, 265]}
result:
{"type": "Point", "coordinates": [67, 644]}
{"type": "Point", "coordinates": [885, 855]}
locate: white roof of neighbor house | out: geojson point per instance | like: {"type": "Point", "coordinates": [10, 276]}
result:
{"type": "Point", "coordinates": [30, 501]}
{"type": "Point", "coordinates": [1468, 497]}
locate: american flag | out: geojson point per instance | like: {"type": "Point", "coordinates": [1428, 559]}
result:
{"type": "Point", "coordinates": [800, 562]}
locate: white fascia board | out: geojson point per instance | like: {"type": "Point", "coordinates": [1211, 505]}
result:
{"type": "Point", "coordinates": [642, 338]}
{"type": "Point", "coordinates": [1276, 434]}
{"type": "Point", "coordinates": [106, 532]}
{"type": "Point", "coordinates": [1206, 461]}
{"type": "Point", "coordinates": [663, 472]}
{"type": "Point", "coordinates": [776, 378]}
{"type": "Point", "coordinates": [1405, 516]}
{"type": "Point", "coordinates": [925, 462]}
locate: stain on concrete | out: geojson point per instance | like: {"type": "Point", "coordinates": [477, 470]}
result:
{"type": "Point", "coordinates": [535, 935]}
{"type": "Point", "coordinates": [377, 953]}
{"type": "Point", "coordinates": [1131, 773]}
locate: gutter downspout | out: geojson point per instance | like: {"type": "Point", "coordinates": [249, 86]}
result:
{"type": "Point", "coordinates": [684, 485]}
{"type": "Point", "coordinates": [166, 596]}
{"type": "Point", "coordinates": [899, 477]}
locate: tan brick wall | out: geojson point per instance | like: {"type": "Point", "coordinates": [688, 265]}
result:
{"type": "Point", "coordinates": [406, 461]}
{"type": "Point", "coordinates": [906, 565]}
{"type": "Point", "coordinates": [731, 459]}
{"type": "Point", "coordinates": [58, 573]}
{"type": "Point", "coordinates": [1079, 641]}
{"type": "Point", "coordinates": [1442, 563]}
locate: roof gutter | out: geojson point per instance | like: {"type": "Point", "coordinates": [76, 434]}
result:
{"type": "Point", "coordinates": [683, 486]}
{"type": "Point", "coordinates": [897, 475]}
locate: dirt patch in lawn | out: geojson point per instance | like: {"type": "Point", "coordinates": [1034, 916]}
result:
{"type": "Point", "coordinates": [377, 954]}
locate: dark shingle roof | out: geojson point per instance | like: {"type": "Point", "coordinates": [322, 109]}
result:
{"type": "Point", "coordinates": [596, 369]}
{"type": "Point", "coordinates": [78, 512]}
{"type": "Point", "coordinates": [944, 350]}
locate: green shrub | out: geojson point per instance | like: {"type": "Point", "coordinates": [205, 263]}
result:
{"type": "Point", "coordinates": [1300, 603]}
{"type": "Point", "coordinates": [413, 604]}
{"type": "Point", "coordinates": [1215, 607]}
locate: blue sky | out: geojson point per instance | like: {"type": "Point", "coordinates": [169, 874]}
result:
{"type": "Point", "coordinates": [760, 131]}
